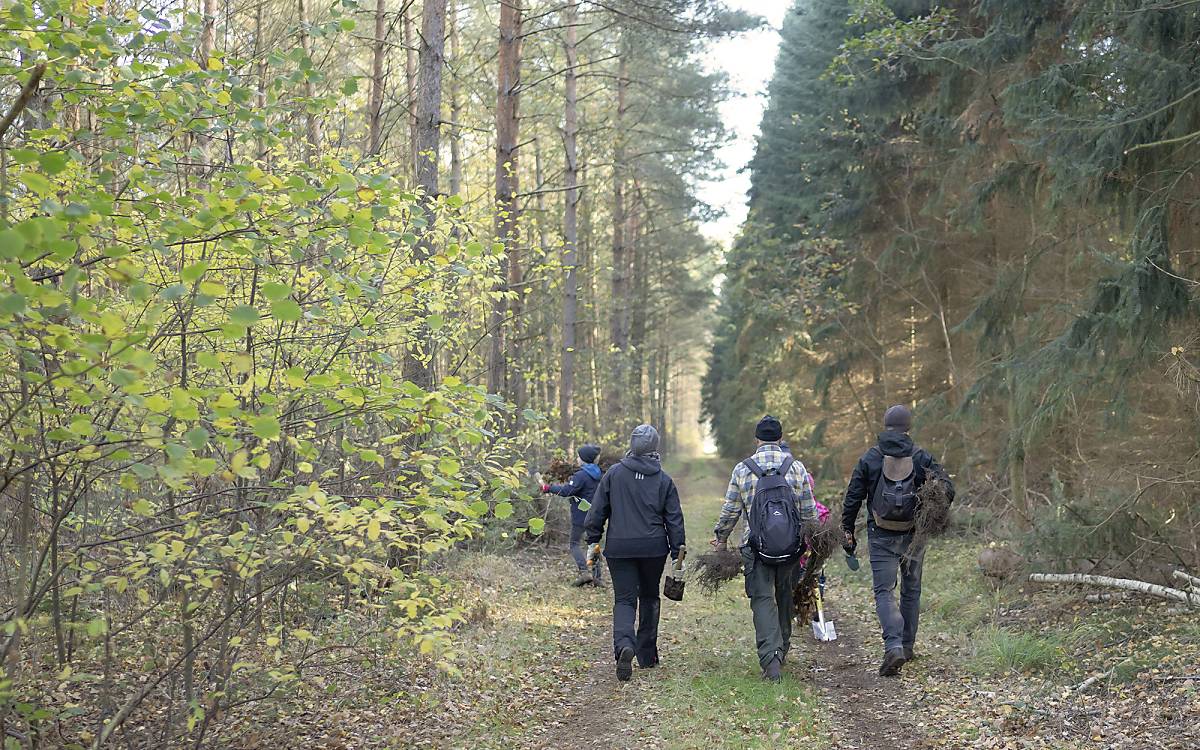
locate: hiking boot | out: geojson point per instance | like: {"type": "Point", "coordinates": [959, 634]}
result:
{"type": "Point", "coordinates": [625, 665]}
{"type": "Point", "coordinates": [908, 654]}
{"type": "Point", "coordinates": [583, 579]}
{"type": "Point", "coordinates": [773, 672]}
{"type": "Point", "coordinates": [892, 661]}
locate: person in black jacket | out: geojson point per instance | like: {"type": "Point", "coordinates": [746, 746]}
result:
{"type": "Point", "coordinates": [890, 542]}
{"type": "Point", "coordinates": [579, 490]}
{"type": "Point", "coordinates": [640, 505]}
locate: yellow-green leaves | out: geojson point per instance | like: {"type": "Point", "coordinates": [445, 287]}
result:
{"type": "Point", "coordinates": [243, 316]}
{"type": "Point", "coordinates": [266, 428]}
{"type": "Point", "coordinates": [275, 291]}
{"type": "Point", "coordinates": [12, 243]}
{"type": "Point", "coordinates": [193, 273]}
{"type": "Point", "coordinates": [286, 310]}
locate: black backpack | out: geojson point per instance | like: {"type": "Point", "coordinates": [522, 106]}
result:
{"type": "Point", "coordinates": [894, 502]}
{"type": "Point", "coordinates": [776, 530]}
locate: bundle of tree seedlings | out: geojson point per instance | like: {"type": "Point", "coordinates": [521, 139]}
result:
{"type": "Point", "coordinates": [933, 513]}
{"type": "Point", "coordinates": [562, 468]}
{"type": "Point", "coordinates": [559, 470]}
{"type": "Point", "coordinates": [714, 568]}
{"type": "Point", "coordinates": [823, 539]}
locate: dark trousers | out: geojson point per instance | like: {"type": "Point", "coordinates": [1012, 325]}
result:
{"type": "Point", "coordinates": [577, 547]}
{"type": "Point", "coordinates": [892, 558]}
{"type": "Point", "coordinates": [635, 596]}
{"type": "Point", "coordinates": [770, 590]}
{"type": "Point", "coordinates": [579, 553]}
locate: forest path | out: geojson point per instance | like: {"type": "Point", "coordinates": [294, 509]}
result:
{"type": "Point", "coordinates": [541, 674]}
{"type": "Point", "coordinates": [868, 711]}
{"type": "Point", "coordinates": [838, 681]}
{"type": "Point", "coordinates": [707, 691]}
{"type": "Point", "coordinates": [537, 668]}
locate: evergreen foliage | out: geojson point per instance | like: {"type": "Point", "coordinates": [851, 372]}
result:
{"type": "Point", "coordinates": [1011, 186]}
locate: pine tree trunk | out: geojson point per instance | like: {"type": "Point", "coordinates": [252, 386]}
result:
{"type": "Point", "coordinates": [635, 315]}
{"type": "Point", "coordinates": [375, 101]}
{"type": "Point", "coordinates": [456, 174]}
{"type": "Point", "coordinates": [260, 94]}
{"type": "Point", "coordinates": [429, 96]}
{"type": "Point", "coordinates": [311, 136]}
{"type": "Point", "coordinates": [427, 147]}
{"type": "Point", "coordinates": [410, 80]}
{"type": "Point", "coordinates": [208, 45]}
{"type": "Point", "coordinates": [566, 380]}
{"type": "Point", "coordinates": [208, 31]}
{"type": "Point", "coordinates": [619, 303]}
{"type": "Point", "coordinates": [589, 335]}
{"type": "Point", "coordinates": [505, 224]}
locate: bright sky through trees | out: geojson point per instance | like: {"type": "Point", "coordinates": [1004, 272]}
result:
{"type": "Point", "coordinates": [748, 59]}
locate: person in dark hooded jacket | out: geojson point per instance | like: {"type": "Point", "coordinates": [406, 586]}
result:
{"type": "Point", "coordinates": [890, 542]}
{"type": "Point", "coordinates": [579, 490]}
{"type": "Point", "coordinates": [639, 504]}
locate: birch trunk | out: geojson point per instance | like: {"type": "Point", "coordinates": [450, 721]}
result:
{"type": "Point", "coordinates": [1128, 584]}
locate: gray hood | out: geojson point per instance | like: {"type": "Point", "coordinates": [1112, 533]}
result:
{"type": "Point", "coordinates": [643, 441]}
{"type": "Point", "coordinates": [648, 465]}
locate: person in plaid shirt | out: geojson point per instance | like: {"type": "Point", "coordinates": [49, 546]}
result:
{"type": "Point", "coordinates": [769, 587]}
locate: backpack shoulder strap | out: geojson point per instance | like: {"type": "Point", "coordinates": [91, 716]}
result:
{"type": "Point", "coordinates": [754, 468]}
{"type": "Point", "coordinates": [786, 466]}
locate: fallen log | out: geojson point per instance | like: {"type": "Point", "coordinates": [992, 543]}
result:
{"type": "Point", "coordinates": [1128, 584]}
{"type": "Point", "coordinates": [1192, 582]}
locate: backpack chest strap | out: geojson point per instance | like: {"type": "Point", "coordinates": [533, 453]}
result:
{"type": "Point", "coordinates": [887, 525]}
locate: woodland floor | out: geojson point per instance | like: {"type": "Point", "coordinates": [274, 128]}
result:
{"type": "Point", "coordinates": [996, 669]}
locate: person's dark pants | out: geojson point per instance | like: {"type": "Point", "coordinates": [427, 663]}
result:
{"type": "Point", "coordinates": [579, 552]}
{"type": "Point", "coordinates": [578, 548]}
{"type": "Point", "coordinates": [635, 596]}
{"type": "Point", "coordinates": [770, 590]}
{"type": "Point", "coordinates": [890, 559]}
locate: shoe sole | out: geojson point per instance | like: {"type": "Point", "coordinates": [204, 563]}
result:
{"type": "Point", "coordinates": [625, 665]}
{"type": "Point", "coordinates": [891, 666]}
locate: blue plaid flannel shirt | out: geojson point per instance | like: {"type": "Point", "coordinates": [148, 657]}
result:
{"type": "Point", "coordinates": [740, 495]}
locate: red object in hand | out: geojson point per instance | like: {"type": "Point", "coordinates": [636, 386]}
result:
{"type": "Point", "coordinates": [545, 488]}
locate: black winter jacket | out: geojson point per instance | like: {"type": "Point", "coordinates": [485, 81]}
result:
{"type": "Point", "coordinates": [582, 486]}
{"type": "Point", "coordinates": [640, 505]}
{"type": "Point", "coordinates": [870, 466]}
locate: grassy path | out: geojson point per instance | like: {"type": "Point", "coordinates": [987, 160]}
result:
{"type": "Point", "coordinates": [538, 671]}
{"type": "Point", "coordinates": [995, 669]}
